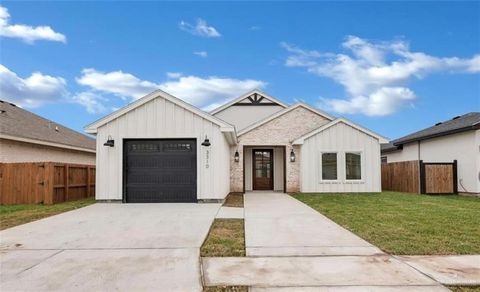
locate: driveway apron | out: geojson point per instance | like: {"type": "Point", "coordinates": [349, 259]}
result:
{"type": "Point", "coordinates": [108, 247]}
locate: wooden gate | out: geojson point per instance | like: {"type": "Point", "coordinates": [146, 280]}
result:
{"type": "Point", "coordinates": [438, 177]}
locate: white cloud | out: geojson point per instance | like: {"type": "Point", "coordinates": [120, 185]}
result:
{"type": "Point", "coordinates": [33, 91]}
{"type": "Point", "coordinates": [203, 92]}
{"type": "Point", "coordinates": [375, 74]}
{"type": "Point", "coordinates": [255, 27]}
{"type": "Point", "coordinates": [92, 101]}
{"type": "Point", "coordinates": [202, 54]}
{"type": "Point", "coordinates": [200, 29]}
{"type": "Point", "coordinates": [27, 33]}
{"type": "Point", "coordinates": [174, 75]}
{"type": "Point", "coordinates": [198, 91]}
{"type": "Point", "coordinates": [118, 83]}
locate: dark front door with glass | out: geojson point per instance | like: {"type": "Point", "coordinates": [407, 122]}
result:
{"type": "Point", "coordinates": [262, 169]}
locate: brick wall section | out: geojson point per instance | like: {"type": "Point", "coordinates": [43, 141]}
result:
{"type": "Point", "coordinates": [278, 132]}
{"type": "Point", "coordinates": [15, 151]}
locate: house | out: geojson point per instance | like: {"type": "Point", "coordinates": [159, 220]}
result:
{"type": "Point", "coordinates": [162, 149]}
{"type": "Point", "coordinates": [26, 137]}
{"type": "Point", "coordinates": [456, 139]}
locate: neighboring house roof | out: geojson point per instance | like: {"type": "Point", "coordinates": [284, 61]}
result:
{"type": "Point", "coordinates": [282, 112]}
{"type": "Point", "coordinates": [301, 140]}
{"type": "Point", "coordinates": [21, 125]}
{"type": "Point", "coordinates": [247, 95]}
{"type": "Point", "coordinates": [389, 147]}
{"type": "Point", "coordinates": [466, 122]}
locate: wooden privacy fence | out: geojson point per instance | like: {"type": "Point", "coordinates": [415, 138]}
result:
{"type": "Point", "coordinates": [48, 182]}
{"type": "Point", "coordinates": [417, 176]}
{"type": "Point", "coordinates": [401, 176]}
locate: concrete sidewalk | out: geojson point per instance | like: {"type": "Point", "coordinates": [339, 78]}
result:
{"type": "Point", "coordinates": [461, 270]}
{"type": "Point", "coordinates": [341, 271]}
{"type": "Point", "coordinates": [279, 225]}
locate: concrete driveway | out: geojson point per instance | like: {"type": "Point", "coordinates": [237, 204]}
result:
{"type": "Point", "coordinates": [108, 247]}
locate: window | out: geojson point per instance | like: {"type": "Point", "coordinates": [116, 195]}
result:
{"type": "Point", "coordinates": [353, 166]}
{"type": "Point", "coordinates": [329, 166]}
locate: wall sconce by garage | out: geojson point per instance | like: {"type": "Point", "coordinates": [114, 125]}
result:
{"type": "Point", "coordinates": [206, 142]}
{"type": "Point", "coordinates": [110, 142]}
{"type": "Point", "coordinates": [236, 156]}
{"type": "Point", "coordinates": [292, 156]}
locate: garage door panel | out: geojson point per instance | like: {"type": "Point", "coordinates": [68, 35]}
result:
{"type": "Point", "coordinates": [161, 170]}
{"type": "Point", "coordinates": [155, 160]}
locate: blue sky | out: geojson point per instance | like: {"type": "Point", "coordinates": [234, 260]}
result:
{"type": "Point", "coordinates": [389, 66]}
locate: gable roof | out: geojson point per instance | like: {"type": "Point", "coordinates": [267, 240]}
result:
{"type": "Point", "coordinates": [247, 95]}
{"type": "Point", "coordinates": [282, 112]}
{"type": "Point", "coordinates": [21, 125]}
{"type": "Point", "coordinates": [224, 126]}
{"type": "Point", "coordinates": [466, 122]}
{"type": "Point", "coordinates": [302, 139]}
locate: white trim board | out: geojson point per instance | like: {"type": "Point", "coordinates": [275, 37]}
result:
{"type": "Point", "coordinates": [92, 128]}
{"type": "Point", "coordinates": [45, 143]}
{"type": "Point", "coordinates": [301, 140]}
{"type": "Point", "coordinates": [242, 97]}
{"type": "Point", "coordinates": [282, 112]}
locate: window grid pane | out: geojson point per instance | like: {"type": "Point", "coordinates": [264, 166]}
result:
{"type": "Point", "coordinates": [329, 166]}
{"type": "Point", "coordinates": [353, 166]}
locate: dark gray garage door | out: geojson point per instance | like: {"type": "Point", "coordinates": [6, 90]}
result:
{"type": "Point", "coordinates": [160, 171]}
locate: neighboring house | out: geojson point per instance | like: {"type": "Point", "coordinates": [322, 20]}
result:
{"type": "Point", "coordinates": [26, 137]}
{"type": "Point", "coordinates": [161, 149]}
{"type": "Point", "coordinates": [455, 139]}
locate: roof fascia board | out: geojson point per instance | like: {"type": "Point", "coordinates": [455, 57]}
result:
{"type": "Point", "coordinates": [282, 112]}
{"type": "Point", "coordinates": [45, 143]}
{"type": "Point", "coordinates": [92, 128]}
{"type": "Point", "coordinates": [242, 97]}
{"type": "Point", "coordinates": [301, 140]}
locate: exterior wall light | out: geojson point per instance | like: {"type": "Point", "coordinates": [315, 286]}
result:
{"type": "Point", "coordinates": [236, 156]}
{"type": "Point", "coordinates": [110, 142]}
{"type": "Point", "coordinates": [206, 142]}
{"type": "Point", "coordinates": [292, 156]}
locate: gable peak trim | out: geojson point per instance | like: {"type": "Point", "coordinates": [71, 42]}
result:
{"type": "Point", "coordinates": [248, 95]}
{"type": "Point", "coordinates": [92, 128]}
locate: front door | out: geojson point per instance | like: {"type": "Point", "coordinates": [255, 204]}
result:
{"type": "Point", "coordinates": [262, 169]}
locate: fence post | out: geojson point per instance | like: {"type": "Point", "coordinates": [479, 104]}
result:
{"type": "Point", "coordinates": [65, 197]}
{"type": "Point", "coordinates": [455, 177]}
{"type": "Point", "coordinates": [48, 183]}
{"type": "Point", "coordinates": [88, 181]}
{"type": "Point", "coordinates": [423, 186]}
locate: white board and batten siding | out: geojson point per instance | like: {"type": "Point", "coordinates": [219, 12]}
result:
{"type": "Point", "coordinates": [161, 119]}
{"type": "Point", "coordinates": [340, 138]}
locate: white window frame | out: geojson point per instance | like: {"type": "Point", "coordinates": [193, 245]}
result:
{"type": "Point", "coordinates": [362, 166]}
{"type": "Point", "coordinates": [321, 167]}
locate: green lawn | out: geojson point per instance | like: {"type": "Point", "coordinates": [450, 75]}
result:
{"type": "Point", "coordinates": [13, 215]}
{"type": "Point", "coordinates": [406, 224]}
{"type": "Point", "coordinates": [225, 239]}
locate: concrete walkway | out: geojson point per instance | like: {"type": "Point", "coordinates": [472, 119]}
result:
{"type": "Point", "coordinates": [108, 247]}
{"type": "Point", "coordinates": [291, 247]}
{"type": "Point", "coordinates": [279, 225]}
{"type": "Point", "coordinates": [230, 213]}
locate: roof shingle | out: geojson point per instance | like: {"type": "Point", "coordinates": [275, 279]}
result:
{"type": "Point", "coordinates": [17, 122]}
{"type": "Point", "coordinates": [469, 121]}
